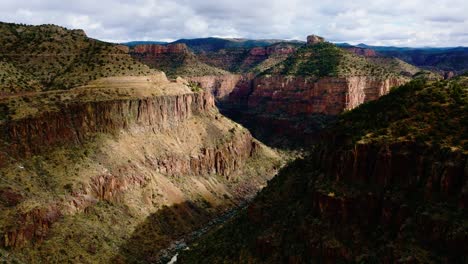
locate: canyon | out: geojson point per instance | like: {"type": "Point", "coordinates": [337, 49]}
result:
{"type": "Point", "coordinates": [249, 151]}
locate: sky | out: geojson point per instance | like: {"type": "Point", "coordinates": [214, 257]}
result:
{"type": "Point", "coordinates": [415, 23]}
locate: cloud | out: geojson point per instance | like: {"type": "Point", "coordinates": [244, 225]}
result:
{"type": "Point", "coordinates": [383, 22]}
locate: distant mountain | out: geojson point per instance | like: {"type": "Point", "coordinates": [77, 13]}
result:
{"type": "Point", "coordinates": [215, 44]}
{"type": "Point", "coordinates": [132, 44]}
{"type": "Point", "coordinates": [439, 59]}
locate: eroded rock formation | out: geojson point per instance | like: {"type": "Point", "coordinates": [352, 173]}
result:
{"type": "Point", "coordinates": [314, 39]}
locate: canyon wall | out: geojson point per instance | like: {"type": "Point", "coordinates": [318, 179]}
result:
{"type": "Point", "coordinates": [154, 125]}
{"type": "Point", "coordinates": [295, 95]}
{"type": "Point", "coordinates": [78, 121]}
{"type": "Point", "coordinates": [275, 107]}
{"type": "Point", "coordinates": [300, 95]}
{"type": "Point", "coordinates": [219, 86]}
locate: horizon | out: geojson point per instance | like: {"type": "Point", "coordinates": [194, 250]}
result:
{"type": "Point", "coordinates": [169, 41]}
{"type": "Point", "coordinates": [381, 23]}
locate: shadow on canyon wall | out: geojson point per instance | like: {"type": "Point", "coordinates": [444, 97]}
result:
{"type": "Point", "coordinates": [163, 229]}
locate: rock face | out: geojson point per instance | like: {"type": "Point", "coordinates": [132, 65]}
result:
{"type": "Point", "coordinates": [155, 49]}
{"type": "Point", "coordinates": [222, 160]}
{"type": "Point", "coordinates": [219, 86]}
{"type": "Point", "coordinates": [299, 95]}
{"type": "Point", "coordinates": [313, 39]}
{"type": "Point", "coordinates": [449, 75]}
{"type": "Point", "coordinates": [77, 122]}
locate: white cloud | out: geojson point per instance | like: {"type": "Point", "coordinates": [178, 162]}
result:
{"type": "Point", "coordinates": [384, 22]}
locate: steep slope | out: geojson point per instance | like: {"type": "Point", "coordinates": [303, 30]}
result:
{"type": "Point", "coordinates": [387, 184]}
{"type": "Point", "coordinates": [58, 58]}
{"type": "Point", "coordinates": [13, 80]}
{"type": "Point", "coordinates": [174, 59]}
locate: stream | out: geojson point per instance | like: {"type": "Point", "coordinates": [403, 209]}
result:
{"type": "Point", "coordinates": [169, 255]}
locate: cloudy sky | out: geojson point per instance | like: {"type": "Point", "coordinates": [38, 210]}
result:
{"type": "Point", "coordinates": [377, 22]}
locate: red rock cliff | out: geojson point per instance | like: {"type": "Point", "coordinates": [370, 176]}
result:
{"type": "Point", "coordinates": [220, 86]}
{"type": "Point", "coordinates": [299, 95]}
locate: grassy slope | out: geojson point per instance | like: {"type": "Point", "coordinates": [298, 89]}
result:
{"type": "Point", "coordinates": [58, 58]}
{"type": "Point", "coordinates": [282, 228]}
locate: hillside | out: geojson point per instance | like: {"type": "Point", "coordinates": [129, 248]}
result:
{"type": "Point", "coordinates": [388, 184]}
{"type": "Point", "coordinates": [50, 57]}
{"type": "Point", "coordinates": [249, 60]}
{"type": "Point", "coordinates": [325, 59]}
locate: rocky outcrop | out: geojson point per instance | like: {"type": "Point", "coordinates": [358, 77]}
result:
{"type": "Point", "coordinates": [32, 225]}
{"type": "Point", "coordinates": [155, 49]}
{"type": "Point", "coordinates": [223, 159]}
{"type": "Point", "coordinates": [314, 39]}
{"type": "Point", "coordinates": [219, 86]}
{"type": "Point", "coordinates": [449, 75]}
{"type": "Point", "coordinates": [123, 48]}
{"type": "Point", "coordinates": [78, 121]}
